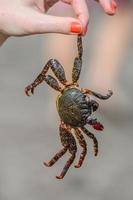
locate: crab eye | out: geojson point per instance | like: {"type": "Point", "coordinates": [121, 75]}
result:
{"type": "Point", "coordinates": [95, 105]}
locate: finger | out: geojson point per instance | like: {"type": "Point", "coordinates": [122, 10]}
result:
{"type": "Point", "coordinates": [81, 10]}
{"type": "Point", "coordinates": [42, 23]}
{"type": "Point", "coordinates": [109, 6]}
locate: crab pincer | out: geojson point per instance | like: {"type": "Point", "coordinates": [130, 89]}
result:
{"type": "Point", "coordinates": [28, 89]}
{"type": "Point", "coordinates": [98, 126]}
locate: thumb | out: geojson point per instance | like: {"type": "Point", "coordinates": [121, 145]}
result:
{"type": "Point", "coordinates": [43, 23]}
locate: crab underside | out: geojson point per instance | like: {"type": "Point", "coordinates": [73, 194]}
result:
{"type": "Point", "coordinates": [74, 106]}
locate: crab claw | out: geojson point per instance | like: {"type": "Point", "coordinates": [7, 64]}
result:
{"type": "Point", "coordinates": [46, 164]}
{"type": "Point", "coordinates": [29, 88]}
{"type": "Point", "coordinates": [77, 166]}
{"type": "Point", "coordinates": [110, 93]}
{"type": "Point", "coordinates": [32, 90]}
{"type": "Point", "coordinates": [59, 177]}
{"type": "Point", "coordinates": [27, 91]}
{"type": "Point", "coordinates": [98, 126]}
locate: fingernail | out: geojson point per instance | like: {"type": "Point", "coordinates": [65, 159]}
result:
{"type": "Point", "coordinates": [113, 6]}
{"type": "Point", "coordinates": [76, 27]}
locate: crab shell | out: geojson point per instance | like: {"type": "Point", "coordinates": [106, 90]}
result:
{"type": "Point", "coordinates": [73, 107]}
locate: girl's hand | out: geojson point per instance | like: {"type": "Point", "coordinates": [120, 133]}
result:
{"type": "Point", "coordinates": [26, 17]}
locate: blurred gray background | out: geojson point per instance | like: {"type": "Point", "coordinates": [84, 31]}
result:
{"type": "Point", "coordinates": [29, 125]}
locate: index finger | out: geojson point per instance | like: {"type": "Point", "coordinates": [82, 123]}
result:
{"type": "Point", "coordinates": [81, 11]}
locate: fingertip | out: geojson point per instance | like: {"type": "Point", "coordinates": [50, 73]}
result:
{"type": "Point", "coordinates": [76, 27]}
{"type": "Point", "coordinates": [114, 4]}
{"type": "Point", "coordinates": [84, 21]}
{"type": "Point", "coordinates": [109, 7]}
{"type": "Point", "coordinates": [82, 13]}
{"type": "Point", "coordinates": [85, 29]}
{"type": "Point", "coordinates": [110, 12]}
{"type": "Point", "coordinates": [112, 9]}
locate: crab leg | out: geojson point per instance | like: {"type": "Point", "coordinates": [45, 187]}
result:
{"type": "Point", "coordinates": [100, 96]}
{"type": "Point", "coordinates": [91, 135]}
{"type": "Point", "coordinates": [69, 141]}
{"type": "Point", "coordinates": [80, 46]}
{"type": "Point", "coordinates": [68, 164]}
{"type": "Point", "coordinates": [83, 144]}
{"type": "Point", "coordinates": [56, 157]}
{"type": "Point", "coordinates": [64, 141]}
{"type": "Point", "coordinates": [77, 61]}
{"type": "Point", "coordinates": [57, 70]}
{"type": "Point", "coordinates": [51, 81]}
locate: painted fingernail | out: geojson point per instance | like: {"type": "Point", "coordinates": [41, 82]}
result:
{"type": "Point", "coordinates": [76, 27]}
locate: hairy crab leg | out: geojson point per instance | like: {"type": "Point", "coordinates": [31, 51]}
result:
{"type": "Point", "coordinates": [68, 164]}
{"type": "Point", "coordinates": [80, 46]}
{"type": "Point", "coordinates": [69, 143]}
{"type": "Point", "coordinates": [68, 140]}
{"type": "Point", "coordinates": [51, 81]}
{"type": "Point", "coordinates": [56, 157]}
{"type": "Point", "coordinates": [83, 144]}
{"type": "Point", "coordinates": [57, 70]}
{"type": "Point", "coordinates": [63, 137]}
{"type": "Point", "coordinates": [100, 96]}
{"type": "Point", "coordinates": [77, 61]}
{"type": "Point", "coordinates": [91, 135]}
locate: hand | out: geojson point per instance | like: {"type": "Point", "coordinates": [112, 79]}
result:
{"type": "Point", "coordinates": [27, 17]}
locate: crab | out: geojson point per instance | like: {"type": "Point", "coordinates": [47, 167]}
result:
{"type": "Point", "coordinates": [75, 106]}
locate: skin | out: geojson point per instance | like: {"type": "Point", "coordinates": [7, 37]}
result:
{"type": "Point", "coordinates": [27, 17]}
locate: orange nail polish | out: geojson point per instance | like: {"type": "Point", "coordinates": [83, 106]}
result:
{"type": "Point", "coordinates": [76, 27]}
